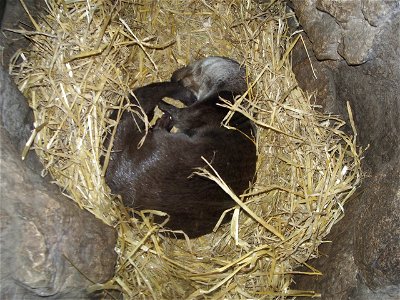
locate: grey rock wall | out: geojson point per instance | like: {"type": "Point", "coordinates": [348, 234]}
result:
{"type": "Point", "coordinates": [49, 247]}
{"type": "Point", "coordinates": [355, 50]}
{"type": "Point", "coordinates": [346, 28]}
{"type": "Point", "coordinates": [14, 17]}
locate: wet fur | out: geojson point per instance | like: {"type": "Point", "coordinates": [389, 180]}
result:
{"type": "Point", "coordinates": [159, 174]}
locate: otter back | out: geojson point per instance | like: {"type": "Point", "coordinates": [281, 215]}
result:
{"type": "Point", "coordinates": [159, 174]}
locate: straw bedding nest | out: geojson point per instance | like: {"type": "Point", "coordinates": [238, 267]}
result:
{"type": "Point", "coordinates": [84, 59]}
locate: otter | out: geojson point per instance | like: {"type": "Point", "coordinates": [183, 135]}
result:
{"type": "Point", "coordinates": [211, 75]}
{"type": "Point", "coordinates": [159, 174]}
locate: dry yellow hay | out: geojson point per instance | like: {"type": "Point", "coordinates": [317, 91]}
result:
{"type": "Point", "coordinates": [85, 57]}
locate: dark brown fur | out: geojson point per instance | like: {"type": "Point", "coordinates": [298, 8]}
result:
{"type": "Point", "coordinates": [158, 175]}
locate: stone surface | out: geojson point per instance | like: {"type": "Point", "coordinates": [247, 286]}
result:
{"type": "Point", "coordinates": [15, 17]}
{"type": "Point", "coordinates": [2, 9]}
{"type": "Point", "coordinates": [49, 246]}
{"type": "Point", "coordinates": [377, 243]}
{"type": "Point", "coordinates": [363, 260]}
{"type": "Point", "coordinates": [378, 12]}
{"type": "Point", "coordinates": [314, 77]}
{"type": "Point", "coordinates": [344, 28]}
{"type": "Point", "coordinates": [325, 42]}
{"type": "Point", "coordinates": [18, 117]}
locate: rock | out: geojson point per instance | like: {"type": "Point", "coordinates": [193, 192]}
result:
{"type": "Point", "coordinates": [305, 65]}
{"type": "Point", "coordinates": [325, 42]}
{"type": "Point", "coordinates": [17, 117]}
{"type": "Point", "coordinates": [379, 12]}
{"type": "Point", "coordinates": [344, 28]}
{"type": "Point", "coordinates": [342, 11]}
{"type": "Point", "coordinates": [373, 91]}
{"type": "Point", "coordinates": [377, 243]}
{"type": "Point", "coordinates": [15, 17]}
{"type": "Point", "coordinates": [363, 260]}
{"type": "Point", "coordinates": [357, 39]}
{"type": "Point", "coordinates": [2, 9]}
{"type": "Point", "coordinates": [49, 246]}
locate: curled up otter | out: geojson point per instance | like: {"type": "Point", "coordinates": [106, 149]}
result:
{"type": "Point", "coordinates": [159, 174]}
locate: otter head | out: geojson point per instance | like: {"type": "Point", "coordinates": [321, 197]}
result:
{"type": "Point", "coordinates": [209, 76]}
